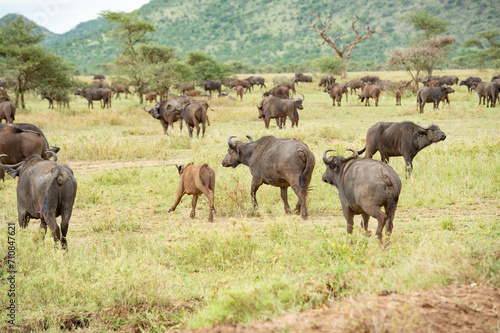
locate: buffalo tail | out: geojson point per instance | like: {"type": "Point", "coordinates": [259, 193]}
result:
{"type": "Point", "coordinates": [57, 179]}
{"type": "Point", "coordinates": [307, 169]}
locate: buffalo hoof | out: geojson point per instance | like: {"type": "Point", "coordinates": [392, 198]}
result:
{"type": "Point", "coordinates": [192, 215]}
{"type": "Point", "coordinates": [368, 233]}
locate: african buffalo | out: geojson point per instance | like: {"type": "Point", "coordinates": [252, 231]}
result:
{"type": "Point", "coordinates": [432, 94]}
{"type": "Point", "coordinates": [370, 91]}
{"type": "Point", "coordinates": [183, 87]}
{"type": "Point", "coordinates": [20, 141]}
{"type": "Point", "coordinates": [397, 94]}
{"type": "Point", "coordinates": [45, 190]}
{"type": "Point", "coordinates": [493, 93]}
{"type": "Point", "coordinates": [370, 79]}
{"type": "Point", "coordinates": [7, 112]}
{"type": "Point", "coordinates": [273, 107]}
{"type": "Point", "coordinates": [364, 186]}
{"type": "Point", "coordinates": [299, 77]}
{"type": "Point", "coordinates": [99, 94]}
{"type": "Point", "coordinates": [99, 77]}
{"type": "Point", "coordinates": [290, 85]}
{"type": "Point", "coordinates": [469, 81]}
{"type": "Point", "coordinates": [256, 80]}
{"type": "Point", "coordinates": [342, 86]}
{"type": "Point", "coordinates": [168, 112]}
{"type": "Point", "coordinates": [150, 97]}
{"type": "Point", "coordinates": [483, 90]}
{"type": "Point", "coordinates": [278, 91]}
{"type": "Point", "coordinates": [117, 89]}
{"type": "Point", "coordinates": [194, 114]}
{"type": "Point", "coordinates": [210, 85]}
{"type": "Point", "coordinates": [240, 91]}
{"type": "Point", "coordinates": [355, 84]}
{"type": "Point", "coordinates": [276, 162]}
{"type": "Point", "coordinates": [336, 93]}
{"type": "Point", "coordinates": [400, 139]}
{"type": "Point", "coordinates": [196, 179]}
{"type": "Point", "coordinates": [61, 98]}
{"type": "Point", "coordinates": [448, 80]}
{"type": "Point", "coordinates": [327, 81]}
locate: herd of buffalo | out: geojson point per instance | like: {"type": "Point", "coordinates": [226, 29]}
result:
{"type": "Point", "coordinates": [47, 189]}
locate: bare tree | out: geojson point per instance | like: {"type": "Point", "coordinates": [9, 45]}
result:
{"type": "Point", "coordinates": [322, 27]}
{"type": "Point", "coordinates": [422, 57]}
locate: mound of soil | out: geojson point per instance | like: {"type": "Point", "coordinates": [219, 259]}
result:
{"type": "Point", "coordinates": [445, 309]}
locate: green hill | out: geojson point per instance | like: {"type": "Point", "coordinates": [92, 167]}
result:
{"type": "Point", "coordinates": [272, 32]}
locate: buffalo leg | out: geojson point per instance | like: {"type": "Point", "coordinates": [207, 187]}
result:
{"type": "Point", "coordinates": [65, 216]}
{"type": "Point", "coordinates": [364, 221]}
{"type": "Point", "coordinates": [409, 165]}
{"type": "Point", "coordinates": [302, 201]}
{"type": "Point", "coordinates": [179, 197]}
{"type": "Point", "coordinates": [253, 192]}
{"type": "Point", "coordinates": [197, 125]}
{"type": "Point", "coordinates": [381, 217]}
{"type": "Point", "coordinates": [284, 197]}
{"type": "Point", "coordinates": [211, 198]}
{"type": "Point", "coordinates": [349, 217]}
{"type": "Point", "coordinates": [52, 224]}
{"type": "Point", "coordinates": [193, 206]}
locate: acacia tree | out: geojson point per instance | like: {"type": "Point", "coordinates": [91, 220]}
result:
{"type": "Point", "coordinates": [131, 30]}
{"type": "Point", "coordinates": [322, 27]}
{"type": "Point", "coordinates": [32, 67]}
{"type": "Point", "coordinates": [487, 48]}
{"type": "Point", "coordinates": [416, 59]}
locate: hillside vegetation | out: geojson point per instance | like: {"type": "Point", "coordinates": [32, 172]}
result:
{"type": "Point", "coordinates": [271, 32]}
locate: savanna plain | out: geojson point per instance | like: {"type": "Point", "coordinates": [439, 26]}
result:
{"type": "Point", "coordinates": [133, 266]}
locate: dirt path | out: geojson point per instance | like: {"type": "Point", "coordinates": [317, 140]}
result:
{"type": "Point", "coordinates": [445, 309]}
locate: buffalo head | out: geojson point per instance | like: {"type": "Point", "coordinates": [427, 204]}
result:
{"type": "Point", "coordinates": [334, 165]}
{"type": "Point", "coordinates": [298, 102]}
{"type": "Point", "coordinates": [154, 111]}
{"type": "Point", "coordinates": [426, 135]}
{"type": "Point", "coordinates": [234, 156]}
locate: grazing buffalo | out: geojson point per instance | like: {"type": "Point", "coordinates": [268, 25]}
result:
{"type": "Point", "coordinates": [273, 107]}
{"type": "Point", "coordinates": [61, 98]}
{"type": "Point", "coordinates": [117, 89]}
{"type": "Point", "coordinates": [210, 85]}
{"type": "Point", "coordinates": [99, 77]}
{"type": "Point", "coordinates": [99, 94]}
{"type": "Point", "coordinates": [469, 81]}
{"type": "Point", "coordinates": [356, 84]}
{"type": "Point", "coordinates": [168, 112]}
{"type": "Point", "coordinates": [370, 91]}
{"type": "Point", "coordinates": [20, 141]}
{"type": "Point", "coordinates": [233, 83]}
{"type": "Point", "coordinates": [370, 79]}
{"type": "Point", "coordinates": [483, 90]}
{"type": "Point", "coordinates": [397, 94]}
{"type": "Point", "coordinates": [364, 186]}
{"type": "Point", "coordinates": [299, 77]}
{"type": "Point", "coordinates": [45, 190]}
{"type": "Point", "coordinates": [276, 162]}
{"type": "Point", "coordinates": [196, 179]}
{"type": "Point", "coordinates": [7, 112]}
{"type": "Point", "coordinates": [278, 91]}
{"type": "Point", "coordinates": [448, 80]}
{"type": "Point", "coordinates": [341, 86]}
{"type": "Point", "coordinates": [183, 87]}
{"type": "Point", "coordinates": [290, 85]}
{"type": "Point", "coordinates": [327, 81]}
{"type": "Point", "coordinates": [256, 80]}
{"type": "Point", "coordinates": [432, 94]}
{"type": "Point", "coordinates": [400, 139]}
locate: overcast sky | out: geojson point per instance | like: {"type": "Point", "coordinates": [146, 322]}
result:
{"type": "Point", "coordinates": [60, 16]}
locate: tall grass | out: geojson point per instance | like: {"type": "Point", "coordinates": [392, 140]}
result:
{"type": "Point", "coordinates": [132, 265]}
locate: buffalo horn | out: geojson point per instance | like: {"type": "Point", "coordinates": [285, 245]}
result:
{"type": "Point", "coordinates": [144, 107]}
{"type": "Point", "coordinates": [249, 138]}
{"type": "Point", "coordinates": [230, 143]}
{"type": "Point", "coordinates": [325, 160]}
{"type": "Point", "coordinates": [9, 166]}
{"type": "Point", "coordinates": [303, 97]}
{"type": "Point", "coordinates": [354, 152]}
{"type": "Point", "coordinates": [53, 154]}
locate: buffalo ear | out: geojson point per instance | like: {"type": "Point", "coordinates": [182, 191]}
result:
{"type": "Point", "coordinates": [13, 172]}
{"type": "Point", "coordinates": [180, 168]}
{"type": "Point", "coordinates": [237, 150]}
{"type": "Point", "coordinates": [419, 133]}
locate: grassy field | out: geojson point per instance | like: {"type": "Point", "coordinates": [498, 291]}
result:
{"type": "Point", "coordinates": [131, 265]}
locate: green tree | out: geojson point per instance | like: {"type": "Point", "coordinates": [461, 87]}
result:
{"type": "Point", "coordinates": [427, 25]}
{"type": "Point", "coordinates": [32, 67]}
{"type": "Point", "coordinates": [486, 48]}
{"type": "Point", "coordinates": [330, 65]}
{"type": "Point", "coordinates": [207, 68]}
{"type": "Point", "coordinates": [131, 30]}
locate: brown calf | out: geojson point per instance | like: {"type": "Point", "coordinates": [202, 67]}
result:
{"type": "Point", "coordinates": [397, 93]}
{"type": "Point", "coordinates": [196, 179]}
{"type": "Point", "coordinates": [150, 97]}
{"type": "Point", "coordinates": [193, 93]}
{"type": "Point", "coordinates": [240, 91]}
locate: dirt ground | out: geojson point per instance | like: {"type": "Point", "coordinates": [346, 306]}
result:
{"type": "Point", "coordinates": [446, 309]}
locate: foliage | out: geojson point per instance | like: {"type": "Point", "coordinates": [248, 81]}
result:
{"type": "Point", "coordinates": [265, 33]}
{"type": "Point", "coordinates": [31, 65]}
{"type": "Point", "coordinates": [131, 29]}
{"type": "Point", "coordinates": [427, 24]}
{"type": "Point", "coordinates": [330, 65]}
{"type": "Point", "coordinates": [207, 68]}
{"type": "Point", "coordinates": [487, 49]}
